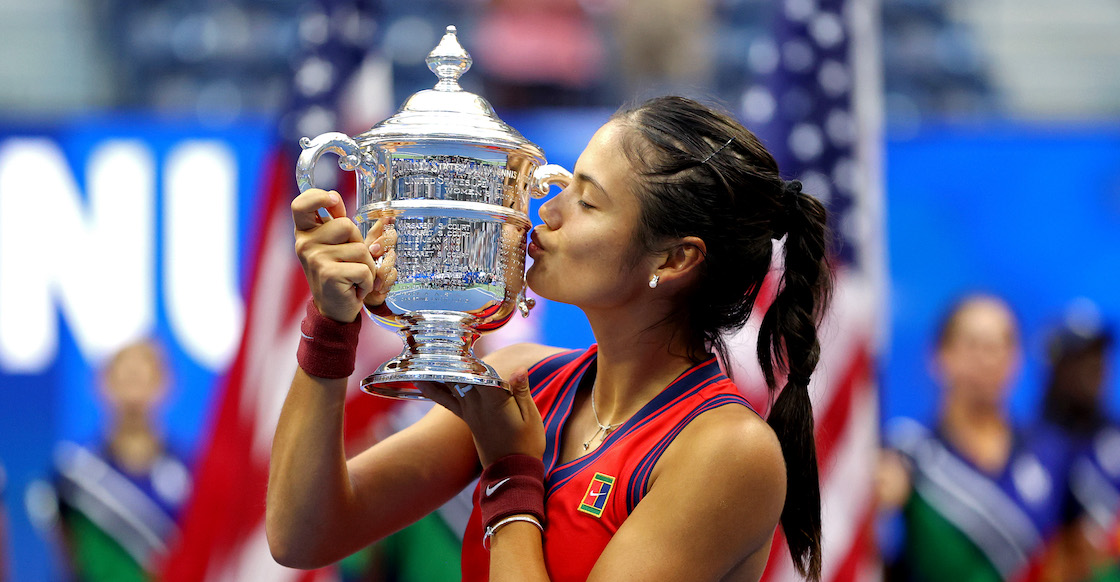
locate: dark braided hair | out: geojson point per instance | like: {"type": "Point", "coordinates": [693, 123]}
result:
{"type": "Point", "coordinates": [701, 173]}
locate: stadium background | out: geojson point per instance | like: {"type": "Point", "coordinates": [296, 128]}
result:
{"type": "Point", "coordinates": [1001, 172]}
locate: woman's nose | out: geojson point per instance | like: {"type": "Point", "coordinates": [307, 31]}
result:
{"type": "Point", "coordinates": [549, 214]}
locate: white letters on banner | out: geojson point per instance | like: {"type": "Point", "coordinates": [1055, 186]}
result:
{"type": "Point", "coordinates": [92, 258]}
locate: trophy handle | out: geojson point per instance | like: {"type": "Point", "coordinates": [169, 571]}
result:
{"type": "Point", "coordinates": [547, 175]}
{"type": "Point", "coordinates": [350, 158]}
{"type": "Point", "coordinates": [543, 177]}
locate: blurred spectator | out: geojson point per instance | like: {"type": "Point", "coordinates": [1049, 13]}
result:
{"type": "Point", "coordinates": [664, 45]}
{"type": "Point", "coordinates": [1077, 350]}
{"type": "Point", "coordinates": [119, 502]}
{"type": "Point", "coordinates": [539, 53]}
{"type": "Point", "coordinates": [1074, 403]}
{"type": "Point", "coordinates": [979, 499]}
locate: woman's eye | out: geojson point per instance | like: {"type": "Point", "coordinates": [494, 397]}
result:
{"type": "Point", "coordinates": [584, 204]}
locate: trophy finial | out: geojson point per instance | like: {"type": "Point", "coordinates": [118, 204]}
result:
{"type": "Point", "coordinates": [449, 61]}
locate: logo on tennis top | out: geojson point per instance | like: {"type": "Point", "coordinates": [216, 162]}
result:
{"type": "Point", "coordinates": [490, 489]}
{"type": "Point", "coordinates": [595, 500]}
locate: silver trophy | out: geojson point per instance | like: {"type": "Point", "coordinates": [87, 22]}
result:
{"type": "Point", "coordinates": [456, 181]}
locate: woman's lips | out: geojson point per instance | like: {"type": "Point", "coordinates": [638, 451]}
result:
{"type": "Point", "coordinates": [535, 246]}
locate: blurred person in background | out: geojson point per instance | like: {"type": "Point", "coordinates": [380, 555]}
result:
{"type": "Point", "coordinates": [979, 498]}
{"type": "Point", "coordinates": [664, 45]}
{"type": "Point", "coordinates": [119, 502]}
{"type": "Point", "coordinates": [539, 53]}
{"type": "Point", "coordinates": [1075, 403]}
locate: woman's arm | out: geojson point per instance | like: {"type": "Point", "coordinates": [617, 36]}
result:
{"type": "Point", "coordinates": [505, 424]}
{"type": "Point", "coordinates": [321, 508]}
{"type": "Point", "coordinates": [413, 472]}
{"type": "Point", "coordinates": [318, 508]}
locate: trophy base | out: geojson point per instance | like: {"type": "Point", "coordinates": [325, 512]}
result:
{"type": "Point", "coordinates": [402, 386]}
{"type": "Point", "coordinates": [438, 348]}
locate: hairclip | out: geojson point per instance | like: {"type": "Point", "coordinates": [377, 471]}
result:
{"type": "Point", "coordinates": [729, 140]}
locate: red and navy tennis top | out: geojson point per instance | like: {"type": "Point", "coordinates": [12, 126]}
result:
{"type": "Point", "coordinates": [587, 499]}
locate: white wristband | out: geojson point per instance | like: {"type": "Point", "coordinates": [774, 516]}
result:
{"type": "Point", "coordinates": [490, 531]}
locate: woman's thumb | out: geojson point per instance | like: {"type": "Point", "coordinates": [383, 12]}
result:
{"type": "Point", "coordinates": [519, 385]}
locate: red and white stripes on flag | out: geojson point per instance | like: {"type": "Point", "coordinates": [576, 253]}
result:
{"type": "Point", "coordinates": [223, 528]}
{"type": "Point", "coordinates": [845, 407]}
{"type": "Point", "coordinates": [818, 111]}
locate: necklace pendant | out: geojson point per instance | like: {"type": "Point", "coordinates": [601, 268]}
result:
{"type": "Point", "coordinates": [586, 445]}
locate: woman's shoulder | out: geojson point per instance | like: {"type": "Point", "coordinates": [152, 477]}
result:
{"type": "Point", "coordinates": [523, 356]}
{"type": "Point", "coordinates": [735, 429]}
{"type": "Point", "coordinates": [733, 440]}
{"type": "Point", "coordinates": [730, 453]}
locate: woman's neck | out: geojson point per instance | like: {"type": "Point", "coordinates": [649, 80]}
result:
{"type": "Point", "coordinates": [637, 357]}
{"type": "Point", "coordinates": [134, 444]}
{"type": "Point", "coordinates": [981, 433]}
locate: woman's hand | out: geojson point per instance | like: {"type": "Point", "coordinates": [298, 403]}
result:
{"type": "Point", "coordinates": [502, 423]}
{"type": "Point", "coordinates": [341, 267]}
{"type": "Point", "coordinates": [382, 240]}
{"type": "Point", "coordinates": [892, 480]}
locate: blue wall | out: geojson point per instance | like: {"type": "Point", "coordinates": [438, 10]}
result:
{"type": "Point", "coordinates": [1027, 212]}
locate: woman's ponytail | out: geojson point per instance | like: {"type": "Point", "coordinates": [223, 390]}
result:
{"type": "Point", "coordinates": [788, 340]}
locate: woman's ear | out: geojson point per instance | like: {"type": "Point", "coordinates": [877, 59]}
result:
{"type": "Point", "coordinates": [682, 261]}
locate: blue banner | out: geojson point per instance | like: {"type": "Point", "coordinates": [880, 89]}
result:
{"type": "Point", "coordinates": [112, 230]}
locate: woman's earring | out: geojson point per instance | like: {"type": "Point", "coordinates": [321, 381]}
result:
{"type": "Point", "coordinates": [653, 281]}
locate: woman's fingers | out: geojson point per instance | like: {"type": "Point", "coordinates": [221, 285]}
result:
{"type": "Point", "coordinates": [441, 394]}
{"type": "Point", "coordinates": [387, 271]}
{"type": "Point", "coordinates": [316, 255]}
{"type": "Point", "coordinates": [355, 278]}
{"type": "Point", "coordinates": [348, 253]}
{"type": "Point", "coordinates": [383, 250]}
{"type": "Point", "coordinates": [338, 265]}
{"type": "Point", "coordinates": [375, 231]}
{"type": "Point", "coordinates": [385, 240]}
{"type": "Point", "coordinates": [337, 231]}
{"type": "Point", "coordinates": [519, 386]}
{"type": "Point", "coordinates": [305, 207]}
{"type": "Point", "coordinates": [502, 423]}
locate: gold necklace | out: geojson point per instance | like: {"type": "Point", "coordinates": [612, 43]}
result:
{"type": "Point", "coordinates": [604, 429]}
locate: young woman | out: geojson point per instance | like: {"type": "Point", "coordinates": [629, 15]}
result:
{"type": "Point", "coordinates": [634, 458]}
{"type": "Point", "coordinates": [980, 498]}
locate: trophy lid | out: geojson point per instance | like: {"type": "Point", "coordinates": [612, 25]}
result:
{"type": "Point", "coordinates": [446, 111]}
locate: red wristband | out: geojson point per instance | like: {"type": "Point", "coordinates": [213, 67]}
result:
{"type": "Point", "coordinates": [512, 484]}
{"type": "Point", "coordinates": [327, 348]}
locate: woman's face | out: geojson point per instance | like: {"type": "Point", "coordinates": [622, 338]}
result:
{"type": "Point", "coordinates": [981, 353]}
{"type": "Point", "coordinates": [134, 380]}
{"type": "Point", "coordinates": [584, 252]}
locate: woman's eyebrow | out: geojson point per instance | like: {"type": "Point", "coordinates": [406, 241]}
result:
{"type": "Point", "coordinates": [594, 182]}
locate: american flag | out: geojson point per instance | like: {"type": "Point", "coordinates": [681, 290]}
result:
{"type": "Point", "coordinates": [816, 107]}
{"type": "Point", "coordinates": [223, 529]}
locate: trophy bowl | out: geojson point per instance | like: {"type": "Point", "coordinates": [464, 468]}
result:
{"type": "Point", "coordinates": [455, 181]}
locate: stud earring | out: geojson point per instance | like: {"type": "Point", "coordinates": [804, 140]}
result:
{"type": "Point", "coordinates": [653, 281]}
